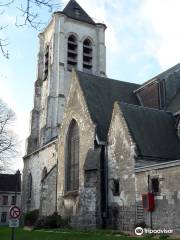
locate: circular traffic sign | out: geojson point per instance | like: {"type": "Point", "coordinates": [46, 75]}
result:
{"type": "Point", "coordinates": [15, 212]}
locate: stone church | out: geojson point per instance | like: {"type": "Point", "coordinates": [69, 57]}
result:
{"type": "Point", "coordinates": [101, 152]}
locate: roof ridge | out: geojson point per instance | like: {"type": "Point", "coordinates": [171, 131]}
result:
{"type": "Point", "coordinates": [107, 78]}
{"type": "Point", "coordinates": [162, 73]}
{"type": "Point", "coordinates": [81, 15]}
{"type": "Point", "coordinates": [144, 107]}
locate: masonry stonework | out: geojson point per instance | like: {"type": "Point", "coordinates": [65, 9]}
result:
{"type": "Point", "coordinates": [121, 153]}
{"type": "Point", "coordinates": [80, 206]}
{"type": "Point", "coordinates": [51, 93]}
{"type": "Point", "coordinates": [34, 165]}
{"type": "Point", "coordinates": [48, 201]}
{"type": "Point", "coordinates": [167, 200]}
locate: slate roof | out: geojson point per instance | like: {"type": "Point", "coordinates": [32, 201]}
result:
{"type": "Point", "coordinates": [171, 79]}
{"type": "Point", "coordinates": [100, 94]}
{"type": "Point", "coordinates": [153, 132]}
{"type": "Point", "coordinates": [165, 74]}
{"type": "Point", "coordinates": [92, 159]}
{"type": "Point", "coordinates": [70, 11]}
{"type": "Point", "coordinates": [8, 182]}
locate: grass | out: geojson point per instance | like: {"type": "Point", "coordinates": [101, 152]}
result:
{"type": "Point", "coordinates": [20, 234]}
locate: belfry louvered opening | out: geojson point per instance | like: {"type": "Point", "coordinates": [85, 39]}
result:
{"type": "Point", "coordinates": [72, 52]}
{"type": "Point", "coordinates": [46, 63]}
{"type": "Point", "coordinates": [87, 56]}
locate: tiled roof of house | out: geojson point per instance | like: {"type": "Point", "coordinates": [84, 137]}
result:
{"type": "Point", "coordinates": [10, 182]}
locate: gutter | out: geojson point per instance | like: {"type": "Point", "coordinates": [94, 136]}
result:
{"type": "Point", "coordinates": [146, 84]}
{"type": "Point", "coordinates": [41, 148]}
{"type": "Point", "coordinates": [158, 166]}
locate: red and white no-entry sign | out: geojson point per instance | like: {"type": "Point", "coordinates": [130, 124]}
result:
{"type": "Point", "coordinates": [15, 212]}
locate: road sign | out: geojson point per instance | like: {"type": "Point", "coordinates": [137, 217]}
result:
{"type": "Point", "coordinates": [15, 212]}
{"type": "Point", "coordinates": [13, 223]}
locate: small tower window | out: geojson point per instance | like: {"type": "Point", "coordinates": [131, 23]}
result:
{"type": "Point", "coordinates": [46, 63]}
{"type": "Point", "coordinates": [155, 185]}
{"type": "Point", "coordinates": [115, 187]}
{"type": "Point", "coordinates": [87, 56]}
{"type": "Point", "coordinates": [72, 52]}
{"type": "Point", "coordinates": [44, 173]}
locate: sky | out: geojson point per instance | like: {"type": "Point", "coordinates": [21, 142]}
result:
{"type": "Point", "coordinates": [142, 40]}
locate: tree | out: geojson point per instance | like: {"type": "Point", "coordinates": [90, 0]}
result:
{"type": "Point", "coordinates": [8, 140]}
{"type": "Point", "coordinates": [29, 14]}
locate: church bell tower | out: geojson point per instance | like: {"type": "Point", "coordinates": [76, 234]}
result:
{"type": "Point", "coordinates": [71, 40]}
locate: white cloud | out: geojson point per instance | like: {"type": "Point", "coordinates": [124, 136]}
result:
{"type": "Point", "coordinates": [7, 19]}
{"type": "Point", "coordinates": [155, 22]}
{"type": "Point", "coordinates": [162, 18]}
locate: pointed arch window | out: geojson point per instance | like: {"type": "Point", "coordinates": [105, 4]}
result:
{"type": "Point", "coordinates": [72, 164]}
{"type": "Point", "coordinates": [72, 52]}
{"type": "Point", "coordinates": [29, 186]}
{"type": "Point", "coordinates": [87, 55]}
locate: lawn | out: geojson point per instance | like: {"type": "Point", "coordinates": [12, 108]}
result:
{"type": "Point", "coordinates": [20, 234]}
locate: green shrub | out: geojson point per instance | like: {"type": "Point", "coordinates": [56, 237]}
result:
{"type": "Point", "coordinates": [140, 224]}
{"type": "Point", "coordinates": [31, 217]}
{"type": "Point", "coordinates": [52, 221]}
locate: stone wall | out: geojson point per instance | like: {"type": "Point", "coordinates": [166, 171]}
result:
{"type": "Point", "coordinates": [34, 164]}
{"type": "Point", "coordinates": [167, 201]}
{"type": "Point", "coordinates": [48, 193]}
{"type": "Point", "coordinates": [121, 178]}
{"type": "Point", "coordinates": [80, 206]}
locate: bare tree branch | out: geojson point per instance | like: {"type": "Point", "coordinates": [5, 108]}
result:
{"type": "Point", "coordinates": [30, 12]}
{"type": "Point", "coordinates": [3, 4]}
{"type": "Point", "coordinates": [3, 42]}
{"type": "Point", "coordinates": [29, 15]}
{"type": "Point", "coordinates": [8, 140]}
{"type": "Point", "coordinates": [3, 45]}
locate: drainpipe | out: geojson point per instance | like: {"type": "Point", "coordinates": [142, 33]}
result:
{"type": "Point", "coordinates": [103, 186]}
{"type": "Point", "coordinates": [149, 190]}
{"type": "Point", "coordinates": [56, 208]}
{"type": "Point", "coordinates": [56, 186]}
{"type": "Point", "coordinates": [103, 181]}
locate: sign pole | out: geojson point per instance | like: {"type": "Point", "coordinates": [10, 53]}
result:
{"type": "Point", "coordinates": [12, 236]}
{"type": "Point", "coordinates": [13, 229]}
{"type": "Point", "coordinates": [15, 213]}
